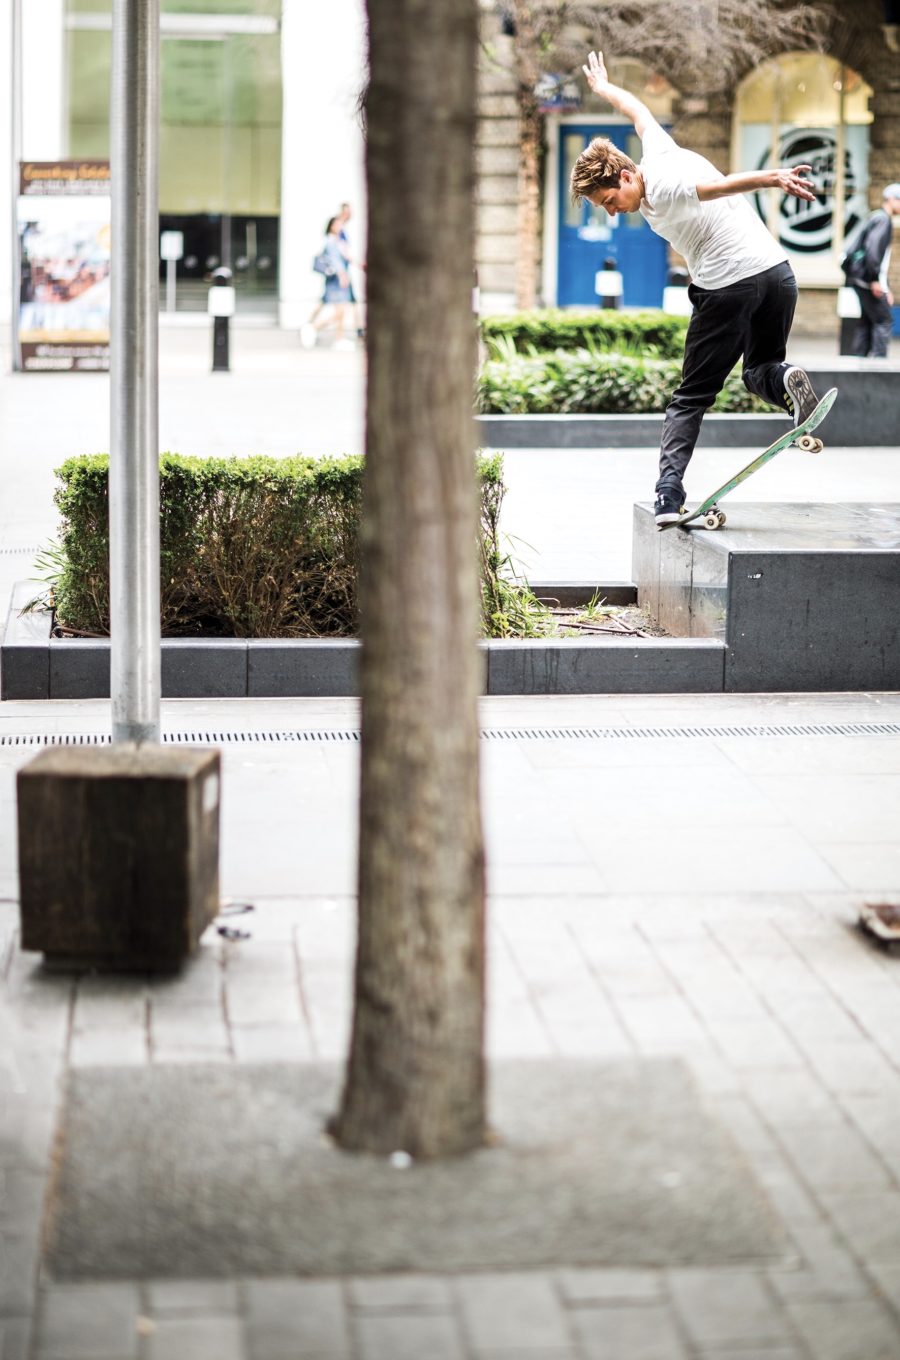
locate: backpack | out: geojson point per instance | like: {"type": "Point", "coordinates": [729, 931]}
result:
{"type": "Point", "coordinates": [322, 264]}
{"type": "Point", "coordinates": [853, 259]}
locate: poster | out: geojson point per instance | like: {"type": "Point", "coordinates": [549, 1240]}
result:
{"type": "Point", "coordinates": [804, 228]}
{"type": "Point", "coordinates": [64, 260]}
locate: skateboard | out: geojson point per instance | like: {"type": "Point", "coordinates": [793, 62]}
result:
{"type": "Point", "coordinates": [802, 437]}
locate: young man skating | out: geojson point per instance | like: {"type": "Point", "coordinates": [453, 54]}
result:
{"type": "Point", "coordinates": [742, 287]}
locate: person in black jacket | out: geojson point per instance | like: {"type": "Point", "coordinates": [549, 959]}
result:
{"type": "Point", "coordinates": [866, 261]}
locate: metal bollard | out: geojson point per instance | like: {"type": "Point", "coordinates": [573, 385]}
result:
{"type": "Point", "coordinates": [220, 305]}
{"type": "Point", "coordinates": [848, 311]}
{"type": "Point", "coordinates": [608, 284]}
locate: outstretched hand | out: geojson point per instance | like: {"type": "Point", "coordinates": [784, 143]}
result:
{"type": "Point", "coordinates": [596, 74]}
{"type": "Point", "coordinates": [791, 181]}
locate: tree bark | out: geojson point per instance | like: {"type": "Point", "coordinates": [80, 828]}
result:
{"type": "Point", "coordinates": [415, 1075]}
{"type": "Point", "coordinates": [528, 224]}
{"type": "Point", "coordinates": [527, 51]}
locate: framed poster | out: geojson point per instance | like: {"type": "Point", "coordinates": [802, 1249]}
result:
{"type": "Point", "coordinates": [63, 215]}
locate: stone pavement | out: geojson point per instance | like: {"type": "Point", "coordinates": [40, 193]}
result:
{"type": "Point", "coordinates": [653, 895]}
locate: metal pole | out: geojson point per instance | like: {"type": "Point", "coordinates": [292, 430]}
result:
{"type": "Point", "coordinates": [16, 136]}
{"type": "Point", "coordinates": [134, 436]}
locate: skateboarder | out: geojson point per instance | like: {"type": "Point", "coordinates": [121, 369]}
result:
{"type": "Point", "coordinates": [743, 288]}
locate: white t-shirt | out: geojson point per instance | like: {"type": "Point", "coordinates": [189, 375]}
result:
{"type": "Point", "coordinates": [723, 240]}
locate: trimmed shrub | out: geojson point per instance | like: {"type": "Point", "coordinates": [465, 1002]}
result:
{"type": "Point", "coordinates": [249, 547]}
{"type": "Point", "coordinates": [592, 384]}
{"type": "Point", "coordinates": [650, 332]}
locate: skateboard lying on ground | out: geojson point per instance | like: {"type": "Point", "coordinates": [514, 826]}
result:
{"type": "Point", "coordinates": [802, 437]}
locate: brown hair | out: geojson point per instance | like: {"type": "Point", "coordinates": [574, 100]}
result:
{"type": "Point", "coordinates": [598, 167]}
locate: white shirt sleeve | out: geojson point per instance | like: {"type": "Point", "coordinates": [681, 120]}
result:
{"type": "Point", "coordinates": [669, 193]}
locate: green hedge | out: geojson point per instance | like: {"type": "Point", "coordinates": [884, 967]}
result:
{"type": "Point", "coordinates": [249, 547]}
{"type": "Point", "coordinates": [650, 332]}
{"type": "Point", "coordinates": [589, 384]}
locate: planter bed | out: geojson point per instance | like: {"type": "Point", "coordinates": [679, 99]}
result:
{"type": "Point", "coordinates": [865, 414]}
{"type": "Point", "coordinates": [33, 665]}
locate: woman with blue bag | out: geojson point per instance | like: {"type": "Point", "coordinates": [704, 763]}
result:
{"type": "Point", "coordinates": [332, 263]}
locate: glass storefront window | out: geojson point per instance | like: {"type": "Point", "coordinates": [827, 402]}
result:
{"type": "Point", "coordinates": [806, 108]}
{"type": "Point", "coordinates": [220, 131]}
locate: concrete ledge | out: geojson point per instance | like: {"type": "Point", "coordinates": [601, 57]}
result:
{"type": "Point", "coordinates": [217, 669]}
{"type": "Point", "coordinates": [803, 595]}
{"type": "Point", "coordinates": [25, 658]}
{"type": "Point", "coordinates": [578, 594]}
{"type": "Point", "coordinates": [606, 666]}
{"type": "Point", "coordinates": [864, 414]}
{"type": "Point", "coordinates": [35, 666]}
{"type": "Point", "coordinates": [307, 667]}
{"type": "Point", "coordinates": [620, 432]}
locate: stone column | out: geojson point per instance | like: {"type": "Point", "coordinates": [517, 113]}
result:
{"type": "Point", "coordinates": [44, 103]}
{"type": "Point", "coordinates": [322, 156]}
{"type": "Point", "coordinates": [703, 124]}
{"type": "Point", "coordinates": [7, 179]}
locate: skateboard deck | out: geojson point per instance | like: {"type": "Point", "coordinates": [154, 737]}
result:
{"type": "Point", "coordinates": [709, 512]}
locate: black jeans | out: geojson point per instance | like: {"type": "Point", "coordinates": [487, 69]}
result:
{"type": "Point", "coordinates": [750, 318]}
{"type": "Point", "coordinates": [873, 329]}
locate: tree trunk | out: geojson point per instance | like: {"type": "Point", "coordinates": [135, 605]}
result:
{"type": "Point", "coordinates": [528, 223]}
{"type": "Point", "coordinates": [415, 1076]}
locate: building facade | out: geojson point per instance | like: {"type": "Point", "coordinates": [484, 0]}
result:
{"type": "Point", "coordinates": [260, 135]}
{"type": "Point", "coordinates": [838, 109]}
{"type": "Point", "coordinates": [261, 141]}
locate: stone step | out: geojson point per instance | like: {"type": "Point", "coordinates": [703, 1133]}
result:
{"type": "Point", "coordinates": [805, 597]}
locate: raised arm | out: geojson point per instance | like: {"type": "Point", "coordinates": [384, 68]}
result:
{"type": "Point", "coordinates": [621, 100]}
{"type": "Point", "coordinates": [789, 181]}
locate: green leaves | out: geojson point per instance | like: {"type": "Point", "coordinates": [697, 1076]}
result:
{"type": "Point", "coordinates": [585, 383]}
{"type": "Point", "coordinates": [550, 329]}
{"type": "Point", "coordinates": [249, 547]}
{"type": "Point", "coordinates": [553, 362]}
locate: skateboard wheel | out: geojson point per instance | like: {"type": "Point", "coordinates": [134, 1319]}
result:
{"type": "Point", "coordinates": [809, 444]}
{"type": "Point", "coordinates": [712, 519]}
{"type": "Point", "coordinates": [722, 518]}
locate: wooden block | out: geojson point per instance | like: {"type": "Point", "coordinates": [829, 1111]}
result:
{"type": "Point", "coordinates": [118, 854]}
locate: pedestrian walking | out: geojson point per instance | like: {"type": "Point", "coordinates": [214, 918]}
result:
{"type": "Point", "coordinates": [742, 286]}
{"type": "Point", "coordinates": [867, 258]}
{"type": "Point", "coordinates": [344, 214]}
{"type": "Point", "coordinates": [333, 264]}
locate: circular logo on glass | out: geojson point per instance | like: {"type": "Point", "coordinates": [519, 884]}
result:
{"type": "Point", "coordinates": [804, 226]}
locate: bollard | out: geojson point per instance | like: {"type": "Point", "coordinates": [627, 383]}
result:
{"type": "Point", "coordinates": [848, 311]}
{"type": "Point", "coordinates": [676, 301]}
{"type": "Point", "coordinates": [608, 284]}
{"type": "Point", "coordinates": [220, 305]}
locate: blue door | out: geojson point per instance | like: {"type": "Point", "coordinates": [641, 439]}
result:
{"type": "Point", "coordinates": [587, 236]}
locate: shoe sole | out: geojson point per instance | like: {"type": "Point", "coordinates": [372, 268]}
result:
{"type": "Point", "coordinates": [801, 392]}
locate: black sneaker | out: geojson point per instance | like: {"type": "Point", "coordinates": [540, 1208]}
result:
{"type": "Point", "coordinates": [799, 397]}
{"type": "Point", "coordinates": [668, 508]}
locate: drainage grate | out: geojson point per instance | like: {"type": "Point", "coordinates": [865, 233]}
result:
{"type": "Point", "coordinates": [494, 734]}
{"type": "Point", "coordinates": [682, 733]}
{"type": "Point", "coordinates": [19, 552]}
